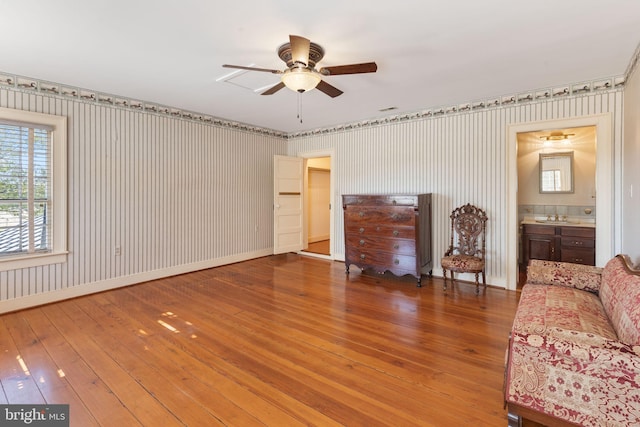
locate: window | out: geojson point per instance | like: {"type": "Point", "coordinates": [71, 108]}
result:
{"type": "Point", "coordinates": [32, 189]}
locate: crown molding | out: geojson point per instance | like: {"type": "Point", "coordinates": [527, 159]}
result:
{"type": "Point", "coordinates": [31, 85]}
{"type": "Point", "coordinates": [570, 90]}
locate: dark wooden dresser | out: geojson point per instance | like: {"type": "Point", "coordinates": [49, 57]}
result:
{"type": "Point", "coordinates": [388, 232]}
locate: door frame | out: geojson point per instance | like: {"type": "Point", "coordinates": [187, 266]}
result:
{"type": "Point", "coordinates": [329, 152]}
{"type": "Point", "coordinates": [607, 230]}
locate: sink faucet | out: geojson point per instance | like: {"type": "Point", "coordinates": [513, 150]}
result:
{"type": "Point", "coordinates": [556, 218]}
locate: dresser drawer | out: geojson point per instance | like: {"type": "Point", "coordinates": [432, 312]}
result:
{"type": "Point", "coordinates": [398, 246]}
{"type": "Point", "coordinates": [384, 260]}
{"type": "Point", "coordinates": [578, 256]}
{"type": "Point", "coordinates": [577, 242]}
{"type": "Point", "coordinates": [400, 215]}
{"type": "Point", "coordinates": [380, 230]}
{"type": "Point", "coordinates": [587, 232]}
{"type": "Point", "coordinates": [546, 230]}
{"type": "Point", "coordinates": [380, 200]}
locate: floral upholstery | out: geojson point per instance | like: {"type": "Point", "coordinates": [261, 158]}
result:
{"type": "Point", "coordinates": [543, 308]}
{"type": "Point", "coordinates": [577, 276]}
{"type": "Point", "coordinates": [466, 263]}
{"type": "Point", "coordinates": [566, 359]}
{"type": "Point", "coordinates": [620, 295]}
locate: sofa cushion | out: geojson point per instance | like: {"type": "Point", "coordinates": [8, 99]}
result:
{"type": "Point", "coordinates": [543, 308]}
{"type": "Point", "coordinates": [577, 276]}
{"type": "Point", "coordinates": [620, 296]}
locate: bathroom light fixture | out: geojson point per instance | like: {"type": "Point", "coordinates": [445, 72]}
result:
{"type": "Point", "coordinates": [300, 79]}
{"type": "Point", "coordinates": [557, 136]}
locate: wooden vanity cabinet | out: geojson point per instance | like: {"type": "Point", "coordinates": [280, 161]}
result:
{"type": "Point", "coordinates": [539, 242]}
{"type": "Point", "coordinates": [578, 245]}
{"type": "Point", "coordinates": [388, 232]}
{"type": "Point", "coordinates": [558, 243]}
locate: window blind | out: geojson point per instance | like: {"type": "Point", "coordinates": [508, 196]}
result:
{"type": "Point", "coordinates": [25, 180]}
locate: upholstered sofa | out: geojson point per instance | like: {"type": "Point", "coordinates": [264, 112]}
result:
{"type": "Point", "coordinates": [574, 349]}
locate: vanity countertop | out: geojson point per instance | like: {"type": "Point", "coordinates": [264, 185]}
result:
{"type": "Point", "coordinates": [570, 222]}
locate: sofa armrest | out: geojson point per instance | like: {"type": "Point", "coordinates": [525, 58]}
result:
{"type": "Point", "coordinates": [584, 277]}
{"type": "Point", "coordinates": [574, 376]}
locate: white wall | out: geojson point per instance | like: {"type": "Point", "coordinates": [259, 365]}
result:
{"type": "Point", "coordinates": [631, 168]}
{"type": "Point", "coordinates": [175, 194]}
{"type": "Point", "coordinates": [460, 158]}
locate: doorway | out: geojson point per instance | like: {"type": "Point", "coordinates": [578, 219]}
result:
{"type": "Point", "coordinates": [556, 180]}
{"type": "Point", "coordinates": [607, 234]}
{"type": "Point", "coordinates": [318, 205]}
{"type": "Point", "coordinates": [318, 218]}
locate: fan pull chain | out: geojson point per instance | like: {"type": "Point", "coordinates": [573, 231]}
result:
{"type": "Point", "coordinates": [300, 106]}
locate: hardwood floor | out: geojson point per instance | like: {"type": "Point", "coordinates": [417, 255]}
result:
{"type": "Point", "coordinates": [321, 247]}
{"type": "Point", "coordinates": [281, 341]}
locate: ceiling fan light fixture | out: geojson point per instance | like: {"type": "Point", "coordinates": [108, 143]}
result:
{"type": "Point", "coordinates": [300, 79]}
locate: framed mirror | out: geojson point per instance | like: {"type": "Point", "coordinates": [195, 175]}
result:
{"type": "Point", "coordinates": [556, 172]}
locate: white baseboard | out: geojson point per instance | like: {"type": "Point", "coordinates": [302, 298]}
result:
{"type": "Point", "coordinates": [119, 282]}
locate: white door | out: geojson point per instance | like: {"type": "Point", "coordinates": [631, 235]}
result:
{"type": "Point", "coordinates": [288, 183]}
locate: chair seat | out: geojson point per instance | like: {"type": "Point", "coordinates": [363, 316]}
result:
{"type": "Point", "coordinates": [462, 263]}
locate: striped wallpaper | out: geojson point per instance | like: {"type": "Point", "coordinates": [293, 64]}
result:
{"type": "Point", "coordinates": [177, 195]}
{"type": "Point", "coordinates": [460, 158]}
{"type": "Point", "coordinates": [174, 195]}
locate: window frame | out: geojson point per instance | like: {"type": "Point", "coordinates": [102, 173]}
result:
{"type": "Point", "coordinates": [58, 253]}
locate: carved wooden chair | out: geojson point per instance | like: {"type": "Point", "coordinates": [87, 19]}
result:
{"type": "Point", "coordinates": [467, 247]}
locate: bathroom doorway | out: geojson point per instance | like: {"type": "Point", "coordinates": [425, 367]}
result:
{"type": "Point", "coordinates": [570, 196]}
{"type": "Point", "coordinates": [606, 231]}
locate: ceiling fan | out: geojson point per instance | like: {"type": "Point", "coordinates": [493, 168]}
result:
{"type": "Point", "coordinates": [301, 56]}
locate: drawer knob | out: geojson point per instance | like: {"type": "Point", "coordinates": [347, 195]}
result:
{"type": "Point", "coordinates": [361, 214]}
{"type": "Point", "coordinates": [577, 243]}
{"type": "Point", "coordinates": [361, 229]}
{"type": "Point", "coordinates": [395, 202]}
{"type": "Point", "coordinates": [396, 261]}
{"type": "Point", "coordinates": [394, 216]}
{"type": "Point", "coordinates": [396, 232]}
{"type": "Point", "coordinates": [361, 242]}
{"type": "Point", "coordinates": [396, 246]}
{"type": "Point", "coordinates": [362, 256]}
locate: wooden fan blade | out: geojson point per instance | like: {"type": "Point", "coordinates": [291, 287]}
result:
{"type": "Point", "coordinates": [300, 49]}
{"type": "Point", "coordinates": [328, 89]}
{"type": "Point", "coordinates": [273, 89]}
{"type": "Point", "coordinates": [240, 67]}
{"type": "Point", "coordinates": [367, 67]}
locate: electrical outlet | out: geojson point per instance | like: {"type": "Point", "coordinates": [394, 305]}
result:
{"type": "Point", "coordinates": [117, 251]}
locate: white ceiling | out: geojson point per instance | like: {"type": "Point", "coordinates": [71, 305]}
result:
{"type": "Point", "coordinates": [430, 53]}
